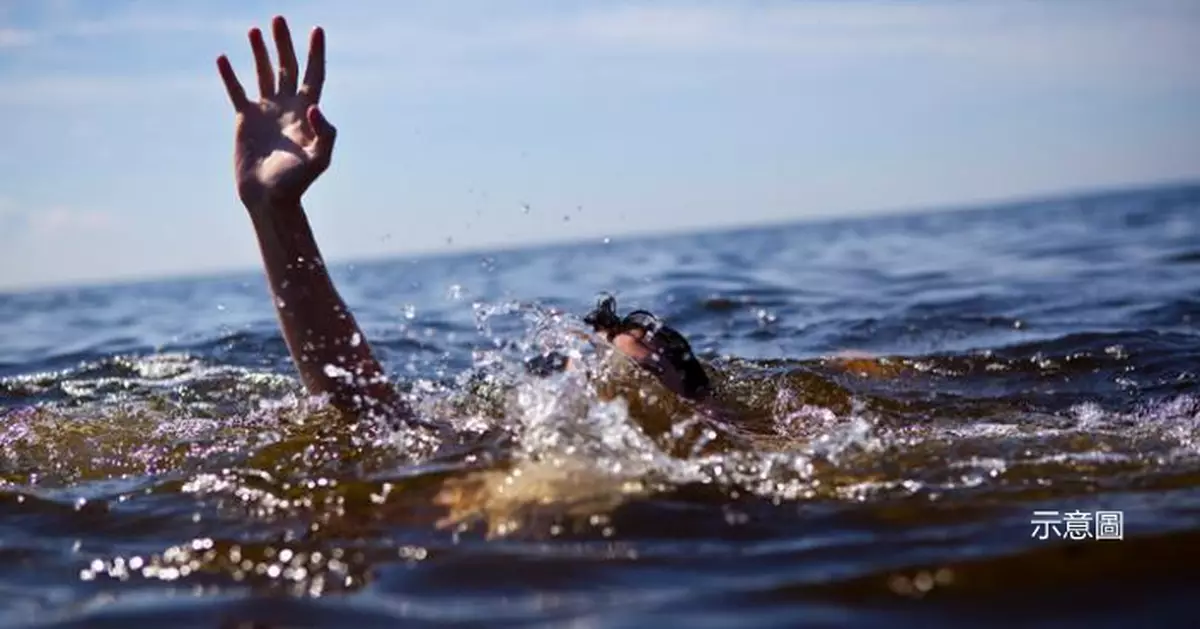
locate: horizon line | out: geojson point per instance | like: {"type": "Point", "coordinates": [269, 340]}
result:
{"type": "Point", "coordinates": [417, 255]}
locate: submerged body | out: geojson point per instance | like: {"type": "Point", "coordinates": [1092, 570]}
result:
{"type": "Point", "coordinates": [283, 143]}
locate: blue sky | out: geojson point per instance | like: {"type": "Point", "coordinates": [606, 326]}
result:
{"type": "Point", "coordinates": [603, 118]}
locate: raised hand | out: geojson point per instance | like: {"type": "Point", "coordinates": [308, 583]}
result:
{"type": "Point", "coordinates": [282, 142]}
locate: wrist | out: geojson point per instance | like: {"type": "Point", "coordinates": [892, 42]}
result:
{"type": "Point", "coordinates": [266, 200]}
{"type": "Point", "coordinates": [268, 209]}
{"type": "Point", "coordinates": [283, 229]}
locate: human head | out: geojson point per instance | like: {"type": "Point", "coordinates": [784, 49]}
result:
{"type": "Point", "coordinates": [653, 345]}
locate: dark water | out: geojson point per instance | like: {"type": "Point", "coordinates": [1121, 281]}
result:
{"type": "Point", "coordinates": [161, 467]}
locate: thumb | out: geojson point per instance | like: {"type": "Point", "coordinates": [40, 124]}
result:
{"type": "Point", "coordinates": [326, 132]}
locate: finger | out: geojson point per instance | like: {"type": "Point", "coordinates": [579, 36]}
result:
{"type": "Point", "coordinates": [321, 126]}
{"type": "Point", "coordinates": [233, 87]}
{"type": "Point", "coordinates": [326, 134]}
{"type": "Point", "coordinates": [314, 74]}
{"type": "Point", "coordinates": [288, 70]}
{"type": "Point", "coordinates": [262, 63]}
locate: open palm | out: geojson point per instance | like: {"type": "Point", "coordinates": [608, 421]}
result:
{"type": "Point", "coordinates": [282, 142]}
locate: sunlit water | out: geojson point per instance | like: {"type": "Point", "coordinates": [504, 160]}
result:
{"type": "Point", "coordinates": [909, 390]}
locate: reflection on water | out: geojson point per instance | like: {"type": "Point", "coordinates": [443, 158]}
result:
{"type": "Point", "coordinates": [907, 392]}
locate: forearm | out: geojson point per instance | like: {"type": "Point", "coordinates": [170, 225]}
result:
{"type": "Point", "coordinates": [324, 339]}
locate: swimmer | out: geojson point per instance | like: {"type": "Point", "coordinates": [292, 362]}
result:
{"type": "Point", "coordinates": [282, 144]}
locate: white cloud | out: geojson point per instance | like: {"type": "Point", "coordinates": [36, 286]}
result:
{"type": "Point", "coordinates": [142, 20]}
{"type": "Point", "coordinates": [16, 38]}
{"type": "Point", "coordinates": [151, 24]}
{"type": "Point", "coordinates": [1105, 44]}
{"type": "Point", "coordinates": [57, 220]}
{"type": "Point", "coordinates": [75, 90]}
{"type": "Point", "coordinates": [1026, 38]}
{"type": "Point", "coordinates": [389, 45]}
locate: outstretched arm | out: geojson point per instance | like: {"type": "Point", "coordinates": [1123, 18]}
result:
{"type": "Point", "coordinates": [282, 144]}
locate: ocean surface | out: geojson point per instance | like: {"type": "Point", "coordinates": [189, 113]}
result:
{"type": "Point", "coordinates": [909, 392]}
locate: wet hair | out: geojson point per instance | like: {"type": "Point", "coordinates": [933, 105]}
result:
{"type": "Point", "coordinates": [670, 346]}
